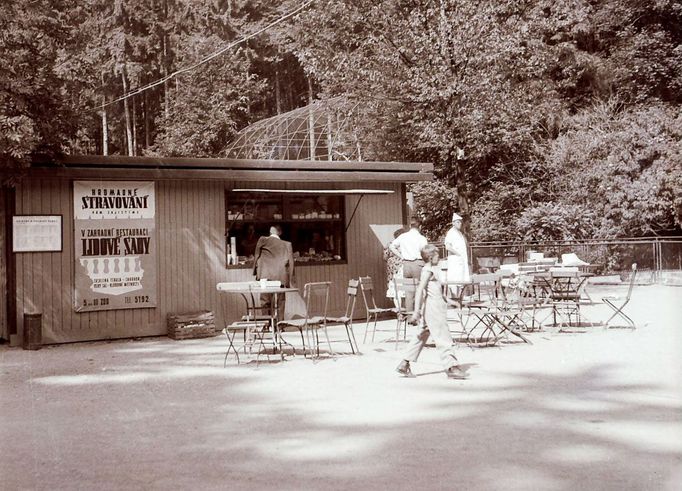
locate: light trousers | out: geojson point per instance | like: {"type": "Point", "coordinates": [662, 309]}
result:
{"type": "Point", "coordinates": [443, 339]}
{"type": "Point", "coordinates": [411, 269]}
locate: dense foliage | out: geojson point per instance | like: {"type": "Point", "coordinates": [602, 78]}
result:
{"type": "Point", "coordinates": [35, 111]}
{"type": "Point", "coordinates": [544, 118]}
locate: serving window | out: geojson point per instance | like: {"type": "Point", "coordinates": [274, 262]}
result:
{"type": "Point", "coordinates": [313, 223]}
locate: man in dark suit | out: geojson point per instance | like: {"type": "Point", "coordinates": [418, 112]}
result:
{"type": "Point", "coordinates": [274, 260]}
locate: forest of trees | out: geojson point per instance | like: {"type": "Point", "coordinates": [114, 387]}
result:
{"type": "Point", "coordinates": [545, 119]}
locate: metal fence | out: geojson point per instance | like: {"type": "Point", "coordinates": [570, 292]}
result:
{"type": "Point", "coordinates": [608, 256]}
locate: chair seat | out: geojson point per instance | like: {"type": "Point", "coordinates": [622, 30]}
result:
{"type": "Point", "coordinates": [565, 296]}
{"type": "Point", "coordinates": [343, 319]}
{"type": "Point", "coordinates": [247, 325]}
{"type": "Point", "coordinates": [301, 322]}
{"type": "Point", "coordinates": [478, 304]}
{"type": "Point", "coordinates": [257, 317]}
{"type": "Point", "coordinates": [381, 310]}
{"type": "Point", "coordinates": [528, 302]}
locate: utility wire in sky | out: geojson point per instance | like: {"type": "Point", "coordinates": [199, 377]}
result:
{"type": "Point", "coordinates": [215, 54]}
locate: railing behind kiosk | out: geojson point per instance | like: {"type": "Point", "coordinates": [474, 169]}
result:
{"type": "Point", "coordinates": [656, 257]}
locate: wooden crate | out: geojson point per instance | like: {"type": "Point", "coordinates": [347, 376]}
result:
{"type": "Point", "coordinates": [191, 325]}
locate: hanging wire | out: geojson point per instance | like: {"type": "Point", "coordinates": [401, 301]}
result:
{"type": "Point", "coordinates": [206, 59]}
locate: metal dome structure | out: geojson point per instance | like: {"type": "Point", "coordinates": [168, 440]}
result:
{"type": "Point", "coordinates": [323, 130]}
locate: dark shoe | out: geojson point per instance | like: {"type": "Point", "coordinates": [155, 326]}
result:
{"type": "Point", "coordinates": [404, 369]}
{"type": "Point", "coordinates": [456, 372]}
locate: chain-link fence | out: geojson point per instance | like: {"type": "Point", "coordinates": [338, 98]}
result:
{"type": "Point", "coordinates": [653, 256]}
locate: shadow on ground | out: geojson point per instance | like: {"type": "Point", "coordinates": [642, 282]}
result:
{"type": "Point", "coordinates": [161, 414]}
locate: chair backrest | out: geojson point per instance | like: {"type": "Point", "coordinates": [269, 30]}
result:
{"type": "Point", "coordinates": [528, 267]}
{"type": "Point", "coordinates": [547, 261]}
{"type": "Point", "coordinates": [367, 290]}
{"type": "Point", "coordinates": [514, 288]}
{"type": "Point", "coordinates": [486, 285]}
{"type": "Point", "coordinates": [352, 292]}
{"type": "Point", "coordinates": [535, 256]}
{"type": "Point", "coordinates": [632, 281]}
{"type": "Point", "coordinates": [564, 272]}
{"type": "Point", "coordinates": [249, 293]}
{"type": "Point", "coordinates": [564, 283]}
{"type": "Point", "coordinates": [403, 286]}
{"type": "Point", "coordinates": [488, 263]}
{"type": "Point", "coordinates": [316, 297]}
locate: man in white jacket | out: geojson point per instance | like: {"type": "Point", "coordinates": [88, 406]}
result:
{"type": "Point", "coordinates": [458, 256]}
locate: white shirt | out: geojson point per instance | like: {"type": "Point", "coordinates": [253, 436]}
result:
{"type": "Point", "coordinates": [458, 257]}
{"type": "Point", "coordinates": [409, 245]}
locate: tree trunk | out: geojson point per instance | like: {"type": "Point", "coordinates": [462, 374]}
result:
{"type": "Point", "coordinates": [105, 122]}
{"type": "Point", "coordinates": [134, 125]}
{"type": "Point", "coordinates": [126, 111]}
{"type": "Point", "coordinates": [146, 120]}
{"type": "Point", "coordinates": [105, 133]}
{"type": "Point", "coordinates": [248, 76]}
{"type": "Point", "coordinates": [164, 42]}
{"type": "Point", "coordinates": [463, 196]}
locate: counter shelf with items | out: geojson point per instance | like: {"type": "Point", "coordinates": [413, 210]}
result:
{"type": "Point", "coordinates": [313, 224]}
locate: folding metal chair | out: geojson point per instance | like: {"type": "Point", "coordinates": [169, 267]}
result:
{"type": "Point", "coordinates": [617, 304]}
{"type": "Point", "coordinates": [513, 306]}
{"type": "Point", "coordinates": [372, 311]}
{"type": "Point", "coordinates": [316, 297]}
{"type": "Point", "coordinates": [253, 328]}
{"type": "Point", "coordinates": [483, 308]}
{"type": "Point", "coordinates": [403, 287]}
{"type": "Point", "coordinates": [347, 318]}
{"type": "Point", "coordinates": [564, 297]}
{"type": "Point", "coordinates": [253, 332]}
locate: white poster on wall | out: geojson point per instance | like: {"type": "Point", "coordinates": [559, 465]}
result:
{"type": "Point", "coordinates": [115, 245]}
{"type": "Point", "coordinates": [36, 233]}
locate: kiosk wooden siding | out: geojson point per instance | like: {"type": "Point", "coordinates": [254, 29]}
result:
{"type": "Point", "coordinates": [190, 228]}
{"type": "Point", "coordinates": [4, 328]}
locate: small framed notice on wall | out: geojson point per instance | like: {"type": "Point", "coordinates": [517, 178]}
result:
{"type": "Point", "coordinates": [37, 233]}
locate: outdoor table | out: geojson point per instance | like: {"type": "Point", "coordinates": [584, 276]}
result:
{"type": "Point", "coordinates": [492, 312]}
{"type": "Point", "coordinates": [563, 290]}
{"type": "Point", "coordinates": [250, 291]}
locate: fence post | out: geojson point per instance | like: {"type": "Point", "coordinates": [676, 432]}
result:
{"type": "Point", "coordinates": [659, 264]}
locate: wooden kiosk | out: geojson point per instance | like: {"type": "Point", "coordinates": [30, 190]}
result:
{"type": "Point", "coordinates": [143, 237]}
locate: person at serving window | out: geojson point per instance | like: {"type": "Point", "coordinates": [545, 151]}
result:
{"type": "Point", "coordinates": [274, 260]}
{"type": "Point", "coordinates": [458, 257]}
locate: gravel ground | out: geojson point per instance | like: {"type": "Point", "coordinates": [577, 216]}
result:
{"type": "Point", "coordinates": [595, 410]}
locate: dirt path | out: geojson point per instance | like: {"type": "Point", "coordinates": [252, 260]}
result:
{"type": "Point", "coordinates": [599, 410]}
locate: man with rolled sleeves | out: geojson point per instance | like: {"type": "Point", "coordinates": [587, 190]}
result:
{"type": "Point", "coordinates": [408, 246]}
